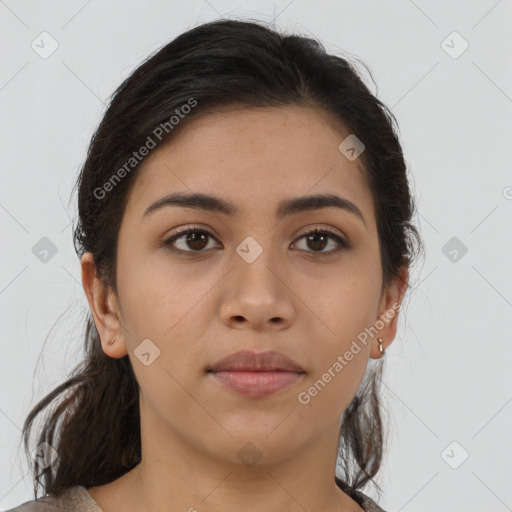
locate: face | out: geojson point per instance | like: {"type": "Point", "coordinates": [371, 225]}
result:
{"type": "Point", "coordinates": [248, 277]}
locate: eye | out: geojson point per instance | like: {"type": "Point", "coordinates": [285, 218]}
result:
{"type": "Point", "coordinates": [318, 239]}
{"type": "Point", "coordinates": [193, 237]}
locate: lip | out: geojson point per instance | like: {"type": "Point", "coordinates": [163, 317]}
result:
{"type": "Point", "coordinates": [247, 360]}
{"type": "Point", "coordinates": [256, 374]}
{"type": "Point", "coordinates": [257, 384]}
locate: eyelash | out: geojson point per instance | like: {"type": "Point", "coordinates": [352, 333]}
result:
{"type": "Point", "coordinates": [342, 244]}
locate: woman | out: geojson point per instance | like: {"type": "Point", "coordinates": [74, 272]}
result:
{"type": "Point", "coordinates": [245, 239]}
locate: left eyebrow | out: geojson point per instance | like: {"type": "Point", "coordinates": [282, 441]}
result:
{"type": "Point", "coordinates": [284, 208]}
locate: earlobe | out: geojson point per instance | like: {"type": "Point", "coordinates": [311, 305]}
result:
{"type": "Point", "coordinates": [114, 348]}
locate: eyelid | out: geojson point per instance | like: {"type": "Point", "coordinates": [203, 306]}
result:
{"type": "Point", "coordinates": [322, 229]}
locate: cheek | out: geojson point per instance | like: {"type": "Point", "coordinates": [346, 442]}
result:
{"type": "Point", "coordinates": [341, 358]}
{"type": "Point", "coordinates": [156, 295]}
{"type": "Point", "coordinates": [349, 305]}
{"type": "Point", "coordinates": [164, 304]}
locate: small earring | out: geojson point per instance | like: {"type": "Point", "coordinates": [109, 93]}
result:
{"type": "Point", "coordinates": [381, 349]}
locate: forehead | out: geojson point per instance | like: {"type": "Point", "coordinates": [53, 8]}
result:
{"type": "Point", "coordinates": [254, 156]}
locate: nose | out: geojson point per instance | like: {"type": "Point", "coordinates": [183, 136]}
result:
{"type": "Point", "coordinates": [257, 297]}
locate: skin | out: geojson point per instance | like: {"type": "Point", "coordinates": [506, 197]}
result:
{"type": "Point", "coordinates": [200, 308]}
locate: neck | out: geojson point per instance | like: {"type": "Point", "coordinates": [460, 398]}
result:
{"type": "Point", "coordinates": [175, 475]}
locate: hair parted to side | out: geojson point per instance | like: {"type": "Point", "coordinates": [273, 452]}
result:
{"type": "Point", "coordinates": [93, 421]}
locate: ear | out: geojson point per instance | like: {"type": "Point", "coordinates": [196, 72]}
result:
{"type": "Point", "coordinates": [104, 309]}
{"type": "Point", "coordinates": [390, 303]}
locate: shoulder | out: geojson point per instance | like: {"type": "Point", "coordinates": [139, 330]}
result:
{"type": "Point", "coordinates": [75, 499]}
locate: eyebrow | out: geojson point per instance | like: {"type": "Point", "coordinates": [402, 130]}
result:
{"type": "Point", "coordinates": [284, 208]}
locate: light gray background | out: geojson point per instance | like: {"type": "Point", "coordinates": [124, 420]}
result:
{"type": "Point", "coordinates": [448, 371]}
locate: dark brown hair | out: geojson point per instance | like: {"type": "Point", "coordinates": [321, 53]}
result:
{"type": "Point", "coordinates": [94, 423]}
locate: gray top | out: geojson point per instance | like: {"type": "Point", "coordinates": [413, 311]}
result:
{"type": "Point", "coordinates": [78, 499]}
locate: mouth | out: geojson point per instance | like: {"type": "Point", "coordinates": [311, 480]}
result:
{"type": "Point", "coordinates": [256, 374]}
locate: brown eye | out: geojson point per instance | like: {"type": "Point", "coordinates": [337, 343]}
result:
{"type": "Point", "coordinates": [318, 240]}
{"type": "Point", "coordinates": [196, 241]}
{"type": "Point", "coordinates": [190, 240]}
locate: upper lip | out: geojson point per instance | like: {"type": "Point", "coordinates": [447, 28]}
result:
{"type": "Point", "coordinates": [246, 360]}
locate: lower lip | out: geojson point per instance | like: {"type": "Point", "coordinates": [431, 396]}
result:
{"type": "Point", "coordinates": [257, 384]}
